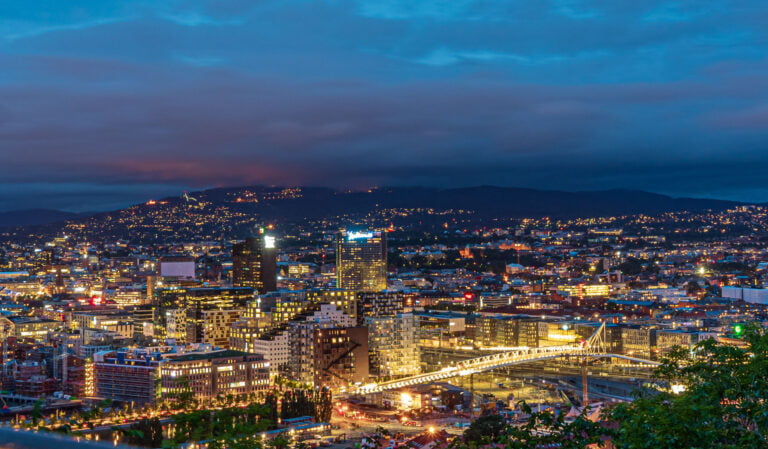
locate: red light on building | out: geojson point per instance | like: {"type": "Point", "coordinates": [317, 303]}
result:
{"type": "Point", "coordinates": [469, 296]}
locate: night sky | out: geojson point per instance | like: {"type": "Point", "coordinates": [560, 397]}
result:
{"type": "Point", "coordinates": [105, 103]}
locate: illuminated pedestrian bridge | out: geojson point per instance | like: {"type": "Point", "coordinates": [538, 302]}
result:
{"type": "Point", "coordinates": [594, 347]}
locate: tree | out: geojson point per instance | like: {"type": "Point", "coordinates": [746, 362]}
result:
{"type": "Point", "coordinates": [631, 266]}
{"type": "Point", "coordinates": [297, 403]}
{"type": "Point", "coordinates": [185, 396]}
{"type": "Point", "coordinates": [485, 429]}
{"type": "Point", "coordinates": [323, 405]}
{"type": "Point", "coordinates": [279, 442]}
{"type": "Point", "coordinates": [546, 429]}
{"type": "Point", "coordinates": [37, 412]}
{"type": "Point", "coordinates": [692, 288]}
{"type": "Point", "coordinates": [722, 405]}
{"type": "Point", "coordinates": [271, 403]}
{"type": "Point", "coordinates": [542, 430]}
{"type": "Point", "coordinates": [147, 432]}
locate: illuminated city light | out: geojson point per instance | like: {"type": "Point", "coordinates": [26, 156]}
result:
{"type": "Point", "coordinates": [359, 235]}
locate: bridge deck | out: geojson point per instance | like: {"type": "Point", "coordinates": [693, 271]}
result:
{"type": "Point", "coordinates": [592, 348]}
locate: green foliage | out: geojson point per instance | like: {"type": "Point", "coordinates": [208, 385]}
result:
{"type": "Point", "coordinates": [317, 403]}
{"type": "Point", "coordinates": [231, 427]}
{"type": "Point", "coordinates": [279, 442]}
{"type": "Point", "coordinates": [546, 429]}
{"type": "Point", "coordinates": [723, 405]}
{"type": "Point", "coordinates": [543, 429]}
{"type": "Point", "coordinates": [147, 432]}
{"type": "Point", "coordinates": [271, 403]}
{"type": "Point", "coordinates": [323, 405]}
{"type": "Point", "coordinates": [235, 442]}
{"type": "Point", "coordinates": [297, 403]}
{"type": "Point", "coordinates": [485, 429]}
{"type": "Point", "coordinates": [37, 412]}
{"type": "Point", "coordinates": [185, 397]}
{"type": "Point", "coordinates": [632, 266]}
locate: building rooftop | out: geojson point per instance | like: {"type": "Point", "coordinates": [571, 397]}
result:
{"type": "Point", "coordinates": [209, 355]}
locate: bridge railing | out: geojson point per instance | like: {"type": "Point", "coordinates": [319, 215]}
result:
{"type": "Point", "coordinates": [595, 346]}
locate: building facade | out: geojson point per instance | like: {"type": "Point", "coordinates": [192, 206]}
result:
{"type": "Point", "coordinates": [254, 263]}
{"type": "Point", "coordinates": [361, 261]}
{"type": "Point", "coordinates": [213, 374]}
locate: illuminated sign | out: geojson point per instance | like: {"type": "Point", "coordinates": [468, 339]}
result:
{"type": "Point", "coordinates": [269, 241]}
{"type": "Point", "coordinates": [359, 235]}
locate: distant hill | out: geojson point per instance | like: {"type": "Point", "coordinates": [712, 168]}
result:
{"type": "Point", "coordinates": [31, 217]}
{"type": "Point", "coordinates": [485, 202]}
{"type": "Point", "coordinates": [235, 211]}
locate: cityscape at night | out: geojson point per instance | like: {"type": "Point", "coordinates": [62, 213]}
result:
{"type": "Point", "coordinates": [381, 224]}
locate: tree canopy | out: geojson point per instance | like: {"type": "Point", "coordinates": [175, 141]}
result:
{"type": "Point", "coordinates": [714, 396]}
{"type": "Point", "coordinates": [720, 400]}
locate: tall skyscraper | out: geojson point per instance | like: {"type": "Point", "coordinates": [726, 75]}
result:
{"type": "Point", "coordinates": [361, 261]}
{"type": "Point", "coordinates": [254, 263]}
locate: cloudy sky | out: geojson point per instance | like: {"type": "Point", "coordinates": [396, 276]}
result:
{"type": "Point", "coordinates": [105, 103]}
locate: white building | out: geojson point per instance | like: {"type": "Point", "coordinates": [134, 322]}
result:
{"type": "Point", "coordinates": [393, 342]}
{"type": "Point", "coordinates": [751, 295]}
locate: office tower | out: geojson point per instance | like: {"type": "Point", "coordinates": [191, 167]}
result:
{"type": "Point", "coordinates": [254, 263]}
{"type": "Point", "coordinates": [361, 261]}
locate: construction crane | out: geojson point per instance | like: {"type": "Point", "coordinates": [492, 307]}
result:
{"type": "Point", "coordinates": [584, 384]}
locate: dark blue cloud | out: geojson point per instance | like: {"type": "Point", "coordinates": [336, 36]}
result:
{"type": "Point", "coordinates": [104, 102]}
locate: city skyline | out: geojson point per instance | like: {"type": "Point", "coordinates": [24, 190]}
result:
{"type": "Point", "coordinates": [106, 105]}
{"type": "Point", "coordinates": [383, 224]}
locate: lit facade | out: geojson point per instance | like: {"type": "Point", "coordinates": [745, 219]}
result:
{"type": "Point", "coordinates": [361, 261]}
{"type": "Point", "coordinates": [212, 374]}
{"type": "Point", "coordinates": [394, 345]}
{"type": "Point", "coordinates": [254, 263]}
{"type": "Point", "coordinates": [120, 378]}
